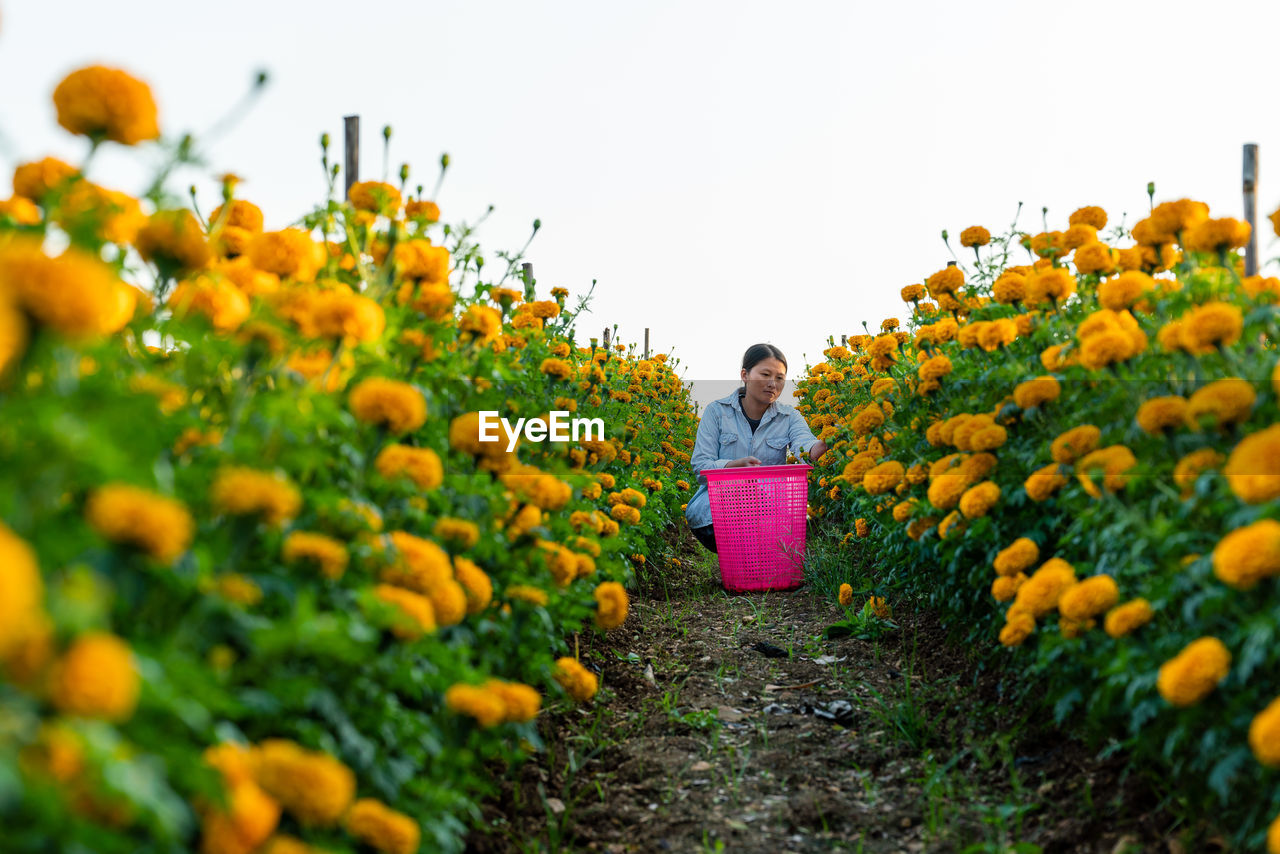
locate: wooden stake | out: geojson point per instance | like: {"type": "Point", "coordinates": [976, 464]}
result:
{"type": "Point", "coordinates": [526, 270]}
{"type": "Point", "coordinates": [351, 125]}
{"type": "Point", "coordinates": [646, 342]}
{"type": "Point", "coordinates": [1251, 206]}
{"type": "Point", "coordinates": [605, 338]}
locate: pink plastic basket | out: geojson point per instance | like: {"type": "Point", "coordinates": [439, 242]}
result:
{"type": "Point", "coordinates": [759, 513]}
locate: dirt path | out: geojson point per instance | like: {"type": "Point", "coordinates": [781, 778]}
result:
{"type": "Point", "coordinates": [730, 724]}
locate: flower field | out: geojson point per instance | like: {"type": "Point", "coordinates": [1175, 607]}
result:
{"type": "Point", "coordinates": [262, 585]}
{"type": "Point", "coordinates": [1076, 459]}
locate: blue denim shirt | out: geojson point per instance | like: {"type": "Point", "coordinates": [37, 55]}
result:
{"type": "Point", "coordinates": [724, 436]}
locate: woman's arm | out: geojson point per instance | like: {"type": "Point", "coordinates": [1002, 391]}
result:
{"type": "Point", "coordinates": [706, 446]}
{"type": "Point", "coordinates": [802, 437]}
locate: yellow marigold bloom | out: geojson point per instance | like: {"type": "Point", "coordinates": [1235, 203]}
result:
{"type": "Point", "coordinates": [38, 178]}
{"type": "Point", "coordinates": [1217, 235]}
{"type": "Point", "coordinates": [945, 490]}
{"type": "Point", "coordinates": [1041, 592]}
{"type": "Point", "coordinates": [1051, 283]}
{"type": "Point", "coordinates": [1017, 628]}
{"type": "Point", "coordinates": [1123, 291]}
{"type": "Point", "coordinates": [20, 209]}
{"type": "Point", "coordinates": [476, 584]}
{"type": "Point", "coordinates": [578, 681]}
{"type": "Point", "coordinates": [1106, 348]}
{"type": "Point", "coordinates": [340, 313]}
{"type": "Point", "coordinates": [419, 565]}
{"type": "Point", "coordinates": [883, 477]}
{"type": "Point", "coordinates": [880, 607]}
{"type": "Point", "coordinates": [527, 593]}
{"type": "Point", "coordinates": [421, 209]}
{"type": "Point", "coordinates": [448, 602]}
{"type": "Point", "coordinates": [1124, 619]}
{"type": "Point", "coordinates": [1005, 587]}
{"type": "Point", "coordinates": [96, 678]}
{"type": "Point", "coordinates": [977, 501]}
{"type": "Point", "coordinates": [975, 235]}
{"type": "Point", "coordinates": [159, 526]}
{"type": "Point", "coordinates": [21, 592]}
{"type": "Point", "coordinates": [1188, 469]}
{"type": "Point", "coordinates": [951, 520]}
{"type": "Point", "coordinates": [175, 238]}
{"type": "Point", "coordinates": [1090, 215]}
{"type": "Point", "coordinates": [542, 308]}
{"type": "Point", "coordinates": [1228, 401]}
{"type": "Point", "coordinates": [106, 103]}
{"type": "Point", "coordinates": [611, 605]}
{"type": "Point", "coordinates": [625, 513]}
{"type": "Point", "coordinates": [415, 615]}
{"type": "Point", "coordinates": [240, 491]}
{"type": "Point", "coordinates": [1113, 461]}
{"type": "Point", "coordinates": [238, 588]}
{"type": "Point", "coordinates": [1017, 556]}
{"type": "Point", "coordinates": [1010, 288]}
{"type": "Point", "coordinates": [74, 294]}
{"type": "Point", "coordinates": [290, 253]}
{"type": "Point", "coordinates": [460, 532]}
{"type": "Point", "coordinates": [1161, 414]}
{"type": "Point", "coordinates": [481, 323]}
{"type": "Point", "coordinates": [1075, 443]}
{"type": "Point", "coordinates": [889, 324]}
{"type": "Point", "coordinates": [1095, 257]}
{"type": "Point", "coordinates": [481, 704]}
{"type": "Point", "coordinates": [1168, 219]}
{"type": "Point", "coordinates": [548, 492]}
{"type": "Point", "coordinates": [418, 260]}
{"type": "Point", "coordinates": [558, 368]}
{"type": "Point", "coordinates": [325, 553]}
{"type": "Point", "coordinates": [1214, 324]}
{"type": "Point", "coordinates": [420, 465]}
{"type": "Point", "coordinates": [521, 702]}
{"type": "Point", "coordinates": [903, 510]}
{"type": "Point", "coordinates": [995, 334]}
{"type": "Point", "coordinates": [1078, 235]}
{"type": "Point", "coordinates": [1253, 469]}
{"type": "Point", "coordinates": [1192, 674]}
{"type": "Point", "coordinates": [912, 293]}
{"type": "Point", "coordinates": [249, 819]}
{"type": "Point", "coordinates": [215, 298]}
{"type": "Point", "coordinates": [978, 466]}
{"type": "Point", "coordinates": [1090, 598]}
{"type": "Point", "coordinates": [240, 214]}
{"type": "Point", "coordinates": [946, 281]}
{"type": "Point", "coordinates": [846, 595]}
{"type": "Point", "coordinates": [397, 405]}
{"type": "Point", "coordinates": [374, 196]}
{"type": "Point", "coordinates": [87, 208]}
{"type": "Point", "coordinates": [1264, 735]}
{"type": "Point", "coordinates": [1036, 392]}
{"type": "Point", "coordinates": [1052, 358]}
{"type": "Point", "coordinates": [1247, 555]}
{"type": "Point", "coordinates": [1264, 289]}
{"type": "Point", "coordinates": [528, 518]}
{"type": "Point", "coordinates": [313, 786]}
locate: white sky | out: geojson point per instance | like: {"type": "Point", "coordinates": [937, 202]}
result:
{"type": "Point", "coordinates": [730, 172]}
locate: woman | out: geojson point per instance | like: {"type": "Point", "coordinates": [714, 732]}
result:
{"type": "Point", "coordinates": [747, 428]}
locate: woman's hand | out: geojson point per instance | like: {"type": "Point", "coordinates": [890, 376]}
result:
{"type": "Point", "coordinates": [819, 448]}
{"type": "Point", "coordinates": [742, 461]}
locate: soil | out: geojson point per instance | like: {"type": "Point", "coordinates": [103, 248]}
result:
{"type": "Point", "coordinates": [729, 723]}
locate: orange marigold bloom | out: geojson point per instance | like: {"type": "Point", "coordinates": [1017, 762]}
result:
{"type": "Point", "coordinates": [215, 298]}
{"type": "Point", "coordinates": [1017, 628]}
{"type": "Point", "coordinates": [1017, 556]}
{"type": "Point", "coordinates": [1095, 257]}
{"type": "Point", "coordinates": [1228, 401]}
{"type": "Point", "coordinates": [313, 786]}
{"type": "Point", "coordinates": [1124, 290]}
{"type": "Point", "coordinates": [1036, 392]}
{"type": "Point", "coordinates": [36, 179]}
{"type": "Point", "coordinates": [74, 294]}
{"type": "Point", "coordinates": [159, 526]}
{"type": "Point", "coordinates": [21, 592]}
{"type": "Point", "coordinates": [946, 281]}
{"type": "Point", "coordinates": [1005, 587]}
{"type": "Point", "coordinates": [1041, 592]}
{"type": "Point", "coordinates": [1247, 555]}
{"type": "Point", "coordinates": [1113, 461]}
{"type": "Point", "coordinates": [611, 605]}
{"type": "Point", "coordinates": [415, 614]}
{"type": "Point", "coordinates": [96, 678]}
{"type": "Point", "coordinates": [1217, 235]}
{"type": "Point", "coordinates": [241, 491]}
{"type": "Point", "coordinates": [578, 681]}
{"type": "Point", "coordinates": [418, 259]}
{"type": "Point", "coordinates": [1075, 443]}
{"type": "Point", "coordinates": [1192, 674]}
{"type": "Point", "coordinates": [290, 253]}
{"type": "Point", "coordinates": [975, 235]}
{"type": "Point", "coordinates": [1264, 735]}
{"type": "Point", "coordinates": [1091, 597]}
{"type": "Point", "coordinates": [883, 477]}
{"type": "Point", "coordinates": [106, 103]}
{"type": "Point", "coordinates": [480, 323]}
{"type": "Point", "coordinates": [1161, 414]}
{"type": "Point", "coordinates": [417, 208]}
{"type": "Point", "coordinates": [1079, 234]}
{"type": "Point", "coordinates": [398, 406]}
{"type": "Point", "coordinates": [846, 595]}
{"type": "Point", "coordinates": [175, 238]}
{"type": "Point", "coordinates": [327, 554]}
{"type": "Point", "coordinates": [913, 293]}
{"type": "Point", "coordinates": [977, 501]}
{"type": "Point", "coordinates": [374, 196]}
{"type": "Point", "coordinates": [1214, 324]}
{"type": "Point", "coordinates": [240, 214]}
{"type": "Point", "coordinates": [1188, 469]}
{"type": "Point", "coordinates": [1253, 469]}
{"type": "Point", "coordinates": [1090, 215]}
{"type": "Point", "coordinates": [1126, 618]}
{"type": "Point", "coordinates": [420, 465]}
{"type": "Point", "coordinates": [476, 584]}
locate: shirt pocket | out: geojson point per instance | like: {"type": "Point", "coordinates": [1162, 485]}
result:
{"type": "Point", "coordinates": [777, 450]}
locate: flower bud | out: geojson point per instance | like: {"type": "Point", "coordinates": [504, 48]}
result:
{"type": "Point", "coordinates": [386, 132]}
{"type": "Point", "coordinates": [324, 142]}
{"type": "Point", "coordinates": [404, 172]}
{"type": "Point", "coordinates": [444, 161]}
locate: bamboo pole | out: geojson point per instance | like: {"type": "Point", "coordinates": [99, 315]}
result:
{"type": "Point", "coordinates": [1251, 206]}
{"type": "Point", "coordinates": [646, 342]}
{"type": "Point", "coordinates": [351, 125]}
{"type": "Point", "coordinates": [526, 272]}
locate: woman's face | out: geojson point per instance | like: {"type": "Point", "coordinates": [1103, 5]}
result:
{"type": "Point", "coordinates": [765, 380]}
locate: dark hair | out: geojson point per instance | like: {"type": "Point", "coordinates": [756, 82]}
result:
{"type": "Point", "coordinates": [757, 353]}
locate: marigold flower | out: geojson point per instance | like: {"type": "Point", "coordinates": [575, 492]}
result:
{"type": "Point", "coordinates": [1124, 290]}
{"type": "Point", "coordinates": [397, 405]}
{"type": "Point", "coordinates": [340, 313]}
{"type": "Point", "coordinates": [578, 681]}
{"type": "Point", "coordinates": [1041, 592]}
{"type": "Point", "coordinates": [215, 298]}
{"type": "Point", "coordinates": [1075, 443]}
{"type": "Point", "coordinates": [1264, 735]}
{"type": "Point", "coordinates": [1095, 257]}
{"type": "Point", "coordinates": [1217, 235]}
{"type": "Point", "coordinates": [96, 678]}
{"type": "Point", "coordinates": [1214, 324]}
{"type": "Point", "coordinates": [476, 584]}
{"type": "Point", "coordinates": [1090, 215]}
{"type": "Point", "coordinates": [946, 281]}
{"type": "Point", "coordinates": [374, 196]}
{"type": "Point", "coordinates": [527, 593]}
{"type": "Point", "coordinates": [38, 178]}
{"type": "Point", "coordinates": [325, 553]}
{"type": "Point", "coordinates": [480, 323]}
{"type": "Point", "coordinates": [977, 501]}
{"type": "Point", "coordinates": [1124, 619]}
{"type": "Point", "coordinates": [21, 592]}
{"type": "Point", "coordinates": [883, 477]}
{"type": "Point", "coordinates": [995, 334]}
{"type": "Point", "coordinates": [975, 235]}
{"type": "Point", "coordinates": [1089, 598]}
{"type": "Point", "coordinates": [1017, 628]}
{"type": "Point", "coordinates": [1161, 414]}
{"type": "Point", "coordinates": [1036, 392]}
{"type": "Point", "coordinates": [421, 209]}
{"type": "Point", "coordinates": [239, 214]}
{"type": "Point", "coordinates": [240, 491]}
{"type": "Point", "coordinates": [419, 260]}
{"type": "Point", "coordinates": [106, 103]}
{"type": "Point", "coordinates": [1021, 554]}
{"type": "Point", "coordinates": [1188, 469]}
{"type": "Point", "coordinates": [1228, 400]}
{"type": "Point", "coordinates": [1005, 587]}
{"type": "Point", "coordinates": [74, 294]}
{"type": "Point", "coordinates": [1247, 555]}
{"type": "Point", "coordinates": [1193, 673]}
{"type": "Point", "coordinates": [1114, 461]}
{"type": "Point", "coordinates": [846, 595]}
{"type": "Point", "coordinates": [1052, 283]}
{"type": "Point", "coordinates": [313, 786]}
{"type": "Point", "coordinates": [1253, 469]}
{"type": "Point", "coordinates": [460, 532]}
{"type": "Point", "coordinates": [611, 605]}
{"type": "Point", "coordinates": [912, 293]}
{"type": "Point", "coordinates": [422, 466]}
{"type": "Point", "coordinates": [159, 526]}
{"type": "Point", "coordinates": [290, 253]}
{"type": "Point", "coordinates": [419, 565]}
{"type": "Point", "coordinates": [175, 238]}
{"type": "Point", "coordinates": [251, 816]}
